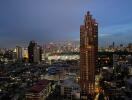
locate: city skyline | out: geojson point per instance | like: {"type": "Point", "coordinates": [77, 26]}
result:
{"type": "Point", "coordinates": [47, 21]}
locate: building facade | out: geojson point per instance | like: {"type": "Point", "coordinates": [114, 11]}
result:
{"type": "Point", "coordinates": [39, 91]}
{"type": "Point", "coordinates": [34, 52]}
{"type": "Point", "coordinates": [88, 53]}
{"type": "Point", "coordinates": [19, 53]}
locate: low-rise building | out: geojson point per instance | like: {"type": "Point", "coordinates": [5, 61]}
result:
{"type": "Point", "coordinates": [39, 91]}
{"type": "Point", "coordinates": [70, 90]}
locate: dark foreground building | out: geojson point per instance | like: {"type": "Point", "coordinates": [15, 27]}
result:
{"type": "Point", "coordinates": [34, 52]}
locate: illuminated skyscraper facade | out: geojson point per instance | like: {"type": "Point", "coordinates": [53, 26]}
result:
{"type": "Point", "coordinates": [88, 53]}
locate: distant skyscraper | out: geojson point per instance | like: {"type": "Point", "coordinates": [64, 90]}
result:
{"type": "Point", "coordinates": [113, 45]}
{"type": "Point", "coordinates": [34, 52]}
{"type": "Point", "coordinates": [130, 47]}
{"type": "Point", "coordinates": [25, 54]}
{"type": "Point", "coordinates": [88, 53]}
{"type": "Point", "coordinates": [37, 54]}
{"type": "Point", "coordinates": [19, 53]}
{"type": "Point", "coordinates": [31, 51]}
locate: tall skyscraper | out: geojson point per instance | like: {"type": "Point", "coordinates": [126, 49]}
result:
{"type": "Point", "coordinates": [19, 53]}
{"type": "Point", "coordinates": [88, 53]}
{"type": "Point", "coordinates": [31, 51]}
{"type": "Point", "coordinates": [34, 52]}
{"type": "Point", "coordinates": [25, 53]}
{"type": "Point", "coordinates": [37, 54]}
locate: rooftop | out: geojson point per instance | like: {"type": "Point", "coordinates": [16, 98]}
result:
{"type": "Point", "coordinates": [39, 86]}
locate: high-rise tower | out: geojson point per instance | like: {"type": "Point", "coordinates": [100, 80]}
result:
{"type": "Point", "coordinates": [34, 52]}
{"type": "Point", "coordinates": [88, 53]}
{"type": "Point", "coordinates": [19, 53]}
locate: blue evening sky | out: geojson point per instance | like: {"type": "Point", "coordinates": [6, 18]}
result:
{"type": "Point", "coordinates": [58, 20]}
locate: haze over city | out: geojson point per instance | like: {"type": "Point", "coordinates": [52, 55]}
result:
{"type": "Point", "coordinates": [47, 20]}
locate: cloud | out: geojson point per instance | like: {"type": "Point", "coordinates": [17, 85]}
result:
{"type": "Point", "coordinates": [54, 20]}
{"type": "Point", "coordinates": [117, 33]}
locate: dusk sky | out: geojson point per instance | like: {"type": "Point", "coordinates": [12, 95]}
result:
{"type": "Point", "coordinates": [59, 20]}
